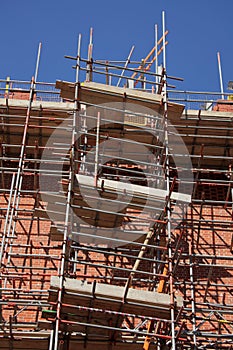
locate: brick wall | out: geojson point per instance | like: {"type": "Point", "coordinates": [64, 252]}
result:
{"type": "Point", "coordinates": [19, 95]}
{"type": "Point", "coordinates": [33, 239]}
{"type": "Point", "coordinates": [223, 106]}
{"type": "Point", "coordinates": [34, 257]}
{"type": "Point", "coordinates": [209, 242]}
{"type": "Point", "coordinates": [28, 264]}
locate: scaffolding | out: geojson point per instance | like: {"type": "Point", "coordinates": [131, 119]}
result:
{"type": "Point", "coordinates": [116, 210]}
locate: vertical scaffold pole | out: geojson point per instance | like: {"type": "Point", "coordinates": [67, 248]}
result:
{"type": "Point", "coordinates": [165, 102]}
{"type": "Point", "coordinates": [192, 288]}
{"type": "Point", "coordinates": [89, 64]}
{"type": "Point", "coordinates": [97, 150]}
{"type": "Point", "coordinates": [38, 61]}
{"type": "Point", "coordinates": [156, 55]}
{"type": "Point", "coordinates": [220, 74]}
{"type": "Point", "coordinates": [67, 210]}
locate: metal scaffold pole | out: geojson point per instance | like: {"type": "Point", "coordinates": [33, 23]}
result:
{"type": "Point", "coordinates": [156, 56]}
{"type": "Point", "coordinates": [167, 179]}
{"type": "Point", "coordinates": [68, 203]}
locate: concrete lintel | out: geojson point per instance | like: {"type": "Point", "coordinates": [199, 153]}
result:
{"type": "Point", "coordinates": [131, 189]}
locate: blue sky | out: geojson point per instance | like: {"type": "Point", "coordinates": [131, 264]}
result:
{"type": "Point", "coordinates": [197, 30]}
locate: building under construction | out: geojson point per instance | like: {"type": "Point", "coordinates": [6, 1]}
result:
{"type": "Point", "coordinates": [116, 210]}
